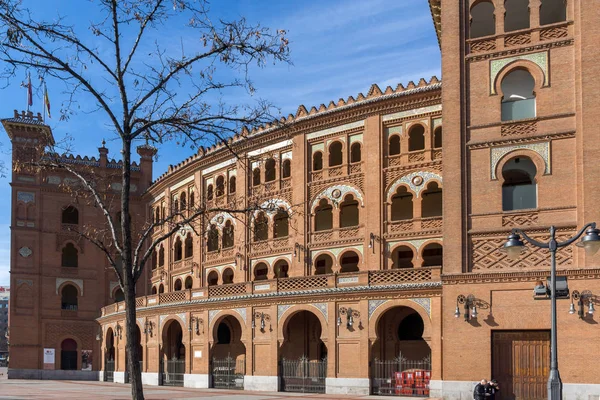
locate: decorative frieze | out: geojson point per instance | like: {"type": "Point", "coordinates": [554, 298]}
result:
{"type": "Point", "coordinates": [541, 148]}
{"type": "Point", "coordinates": [539, 58]}
{"type": "Point", "coordinates": [416, 181]}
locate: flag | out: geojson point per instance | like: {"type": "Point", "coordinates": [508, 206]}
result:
{"type": "Point", "coordinates": [46, 101]}
{"type": "Point", "coordinates": [29, 91]}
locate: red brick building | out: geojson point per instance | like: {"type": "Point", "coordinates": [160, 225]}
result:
{"type": "Point", "coordinates": [375, 230]}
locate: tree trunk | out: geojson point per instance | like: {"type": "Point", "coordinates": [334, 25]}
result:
{"type": "Point", "coordinates": [132, 349]}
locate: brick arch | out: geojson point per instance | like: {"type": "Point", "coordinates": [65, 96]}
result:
{"type": "Point", "coordinates": [405, 244]}
{"type": "Point", "coordinates": [347, 250]}
{"type": "Point", "coordinates": [295, 309]}
{"type": "Point", "coordinates": [74, 243]}
{"type": "Point", "coordinates": [390, 304]}
{"type": "Point", "coordinates": [114, 291]}
{"type": "Point", "coordinates": [167, 322]}
{"type": "Point", "coordinates": [262, 261]}
{"type": "Point", "coordinates": [72, 283]}
{"type": "Point", "coordinates": [58, 347]}
{"type": "Point", "coordinates": [395, 188]}
{"type": "Point", "coordinates": [407, 180]}
{"type": "Point", "coordinates": [539, 76]}
{"type": "Point", "coordinates": [535, 157]}
{"type": "Point", "coordinates": [221, 315]}
{"type": "Point", "coordinates": [320, 253]}
{"type": "Point", "coordinates": [327, 193]}
{"type": "Point", "coordinates": [276, 203]}
{"type": "Point", "coordinates": [428, 242]}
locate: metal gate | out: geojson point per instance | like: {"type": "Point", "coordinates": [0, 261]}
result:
{"type": "Point", "coordinates": [228, 373]}
{"type": "Point", "coordinates": [401, 377]}
{"type": "Point", "coordinates": [303, 375]}
{"type": "Point", "coordinates": [172, 372]}
{"type": "Point", "coordinates": [109, 371]}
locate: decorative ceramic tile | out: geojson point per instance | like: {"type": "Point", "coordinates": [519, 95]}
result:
{"type": "Point", "coordinates": [221, 218]}
{"type": "Point", "coordinates": [25, 252]}
{"type": "Point", "coordinates": [540, 59]}
{"type": "Point", "coordinates": [161, 319]}
{"type": "Point", "coordinates": [25, 282]}
{"type": "Point", "coordinates": [542, 149]}
{"type": "Point", "coordinates": [412, 113]}
{"type": "Point", "coordinates": [271, 206]}
{"type": "Point", "coordinates": [183, 317]}
{"type": "Point", "coordinates": [242, 312]}
{"type": "Point", "coordinates": [26, 197]}
{"type": "Point", "coordinates": [281, 309]}
{"type": "Point", "coordinates": [437, 122]}
{"type": "Point", "coordinates": [270, 148]}
{"type": "Point", "coordinates": [286, 156]}
{"type": "Point", "coordinates": [141, 321]}
{"type": "Point", "coordinates": [394, 130]}
{"type": "Point", "coordinates": [321, 307]}
{"type": "Point", "coordinates": [373, 304]}
{"type": "Point", "coordinates": [212, 314]}
{"type": "Point", "coordinates": [424, 302]}
{"type": "Point", "coordinates": [53, 180]}
{"type": "Point", "coordinates": [335, 129]}
{"type": "Point", "coordinates": [356, 138]}
{"type": "Point", "coordinates": [416, 181]}
{"type": "Point", "coordinates": [336, 194]}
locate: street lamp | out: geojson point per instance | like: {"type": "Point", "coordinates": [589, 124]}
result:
{"type": "Point", "coordinates": [514, 246]}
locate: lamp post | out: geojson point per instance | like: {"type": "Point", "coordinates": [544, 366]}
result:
{"type": "Point", "coordinates": [514, 246]}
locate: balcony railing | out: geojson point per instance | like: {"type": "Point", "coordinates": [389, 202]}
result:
{"type": "Point", "coordinates": [414, 225]}
{"type": "Point", "coordinates": [329, 235]}
{"type": "Point", "coordinates": [366, 279]}
{"type": "Point", "coordinates": [336, 171]}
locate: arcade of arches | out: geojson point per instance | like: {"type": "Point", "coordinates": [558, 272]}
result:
{"type": "Point", "coordinates": [336, 340]}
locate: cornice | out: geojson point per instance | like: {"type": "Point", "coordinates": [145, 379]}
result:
{"type": "Point", "coordinates": [520, 50]}
{"type": "Point", "coordinates": [310, 295]}
{"type": "Point", "coordinates": [516, 140]}
{"type": "Point", "coordinates": [517, 276]}
{"type": "Point", "coordinates": [533, 230]}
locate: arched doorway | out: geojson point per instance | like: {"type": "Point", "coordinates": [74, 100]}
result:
{"type": "Point", "coordinates": [228, 362]}
{"type": "Point", "coordinates": [109, 357]}
{"type": "Point", "coordinates": [401, 356]}
{"type": "Point", "coordinates": [172, 366]}
{"type": "Point", "coordinates": [68, 355]}
{"type": "Point", "coordinates": [303, 355]}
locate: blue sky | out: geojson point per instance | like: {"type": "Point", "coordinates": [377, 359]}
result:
{"type": "Point", "coordinates": [338, 48]}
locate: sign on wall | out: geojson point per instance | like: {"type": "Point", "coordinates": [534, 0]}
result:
{"type": "Point", "coordinates": [48, 358]}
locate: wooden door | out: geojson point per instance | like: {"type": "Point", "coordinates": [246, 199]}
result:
{"type": "Point", "coordinates": [521, 363]}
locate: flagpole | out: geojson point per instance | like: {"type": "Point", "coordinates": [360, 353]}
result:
{"type": "Point", "coordinates": [44, 101]}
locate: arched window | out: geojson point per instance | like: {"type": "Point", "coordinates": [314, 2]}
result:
{"type": "Point", "coordinates": [323, 216]}
{"type": "Point", "coordinates": [68, 355]}
{"type": "Point", "coordinates": [402, 204]}
{"type": "Point", "coordinates": [349, 262]}
{"type": "Point", "coordinates": [431, 205]}
{"type": "Point", "coordinates": [433, 255]}
{"type": "Point", "coordinates": [416, 138]}
{"type": "Point", "coordinates": [68, 298]}
{"type": "Point", "coordinates": [323, 265]}
{"type": "Point", "coordinates": [518, 101]}
{"type": "Point", "coordinates": [394, 146]}
{"type": "Point", "coordinates": [154, 291]}
{"type": "Point", "coordinates": [161, 256]}
{"type": "Point", "coordinates": [70, 256]}
{"type": "Point", "coordinates": [349, 212]}
{"type": "Point", "coordinates": [175, 205]}
{"type": "Point", "coordinates": [119, 296]}
{"type": "Point", "coordinates": [355, 153]}
{"type": "Point", "coordinates": [212, 278]}
{"type": "Point", "coordinates": [519, 190]}
{"type": "Point", "coordinates": [157, 215]}
{"type": "Point", "coordinates": [213, 239]}
{"type": "Point", "coordinates": [335, 154]}
{"type": "Point", "coordinates": [281, 224]}
{"type": "Point", "coordinates": [261, 227]}
{"type": "Point", "coordinates": [70, 215]}
{"type": "Point", "coordinates": [189, 282]}
{"type": "Point", "coordinates": [437, 138]}
{"type": "Point", "coordinates": [209, 192]}
{"type": "Point", "coordinates": [227, 276]}
{"type": "Point", "coordinates": [402, 257]}
{"type": "Point", "coordinates": [178, 249]}
{"type": "Point", "coordinates": [177, 286]}
{"type": "Point", "coordinates": [317, 161]}
{"type": "Point", "coordinates": [220, 188]}
{"type": "Point", "coordinates": [516, 15]}
{"type": "Point", "coordinates": [161, 289]}
{"type": "Point", "coordinates": [189, 246]}
{"type": "Point", "coordinates": [286, 169]}
{"type": "Point", "coordinates": [154, 260]}
{"type": "Point", "coordinates": [483, 21]}
{"type": "Point", "coordinates": [281, 269]}
{"type": "Point", "coordinates": [256, 177]}
{"type": "Point", "coordinates": [261, 272]}
{"type": "Point", "coordinates": [164, 211]}
{"type": "Point", "coordinates": [227, 240]}
{"type": "Point", "coordinates": [269, 170]}
{"type": "Point", "coordinates": [183, 201]}
{"type": "Point", "coordinates": [231, 184]}
{"type": "Point", "coordinates": [192, 200]}
{"type": "Point", "coordinates": [553, 11]}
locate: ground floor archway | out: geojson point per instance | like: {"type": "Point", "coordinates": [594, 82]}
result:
{"type": "Point", "coordinates": [401, 356]}
{"type": "Point", "coordinates": [68, 355]}
{"type": "Point", "coordinates": [109, 357]}
{"type": "Point", "coordinates": [172, 359]}
{"type": "Point", "coordinates": [303, 361]}
{"type": "Point", "coordinates": [228, 354]}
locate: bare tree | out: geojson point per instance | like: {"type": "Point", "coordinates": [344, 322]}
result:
{"type": "Point", "coordinates": [148, 88]}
